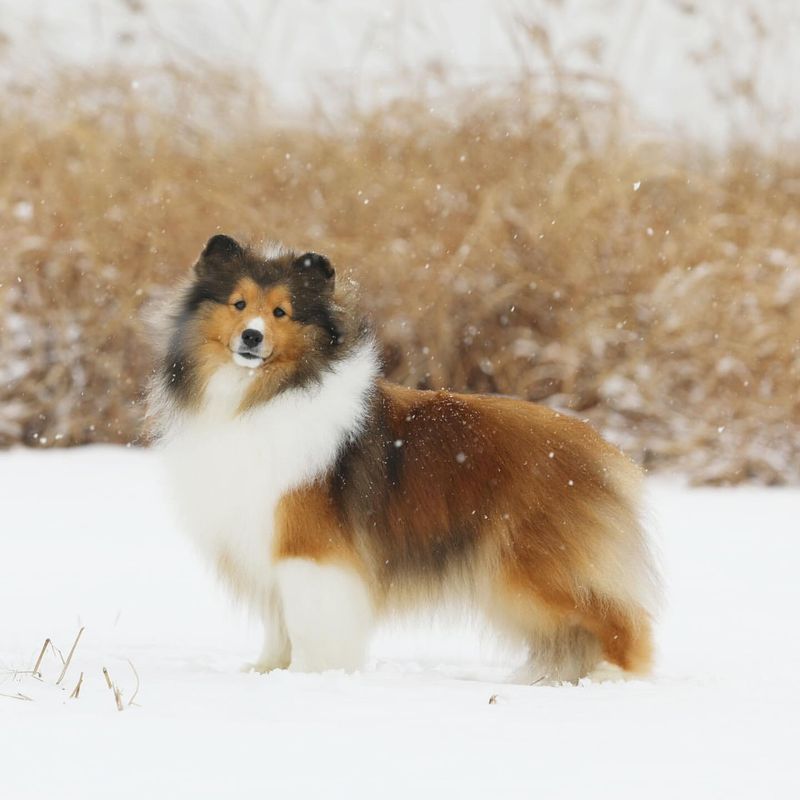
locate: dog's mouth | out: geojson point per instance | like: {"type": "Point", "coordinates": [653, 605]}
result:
{"type": "Point", "coordinates": [247, 358]}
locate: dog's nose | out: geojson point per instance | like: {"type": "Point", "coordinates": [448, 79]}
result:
{"type": "Point", "coordinates": [252, 338]}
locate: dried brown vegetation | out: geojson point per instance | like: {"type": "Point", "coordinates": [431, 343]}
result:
{"type": "Point", "coordinates": [516, 242]}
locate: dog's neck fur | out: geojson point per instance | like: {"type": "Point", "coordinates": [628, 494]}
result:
{"type": "Point", "coordinates": [338, 397]}
{"type": "Point", "coordinates": [229, 469]}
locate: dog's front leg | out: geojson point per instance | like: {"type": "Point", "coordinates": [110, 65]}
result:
{"type": "Point", "coordinates": [328, 613]}
{"type": "Point", "coordinates": [275, 650]}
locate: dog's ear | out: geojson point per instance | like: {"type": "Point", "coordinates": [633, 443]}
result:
{"type": "Point", "coordinates": [219, 251]}
{"type": "Point", "coordinates": [314, 271]}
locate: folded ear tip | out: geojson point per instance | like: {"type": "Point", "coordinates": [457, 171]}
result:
{"type": "Point", "coordinates": [222, 245]}
{"type": "Point", "coordinates": [317, 261]}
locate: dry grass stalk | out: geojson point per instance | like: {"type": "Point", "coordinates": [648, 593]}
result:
{"type": "Point", "coordinates": [518, 242]}
{"type": "Point", "coordinates": [17, 696]}
{"type": "Point", "coordinates": [41, 656]}
{"type": "Point", "coordinates": [115, 690]}
{"type": "Point", "coordinates": [136, 690]}
{"type": "Point", "coordinates": [69, 657]}
{"type": "Point", "coordinates": [118, 698]}
{"type": "Point", "coordinates": [77, 690]}
{"type": "Point", "coordinates": [16, 673]}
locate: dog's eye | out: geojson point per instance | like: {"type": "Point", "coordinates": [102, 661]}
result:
{"type": "Point", "coordinates": [279, 312]}
{"type": "Point", "coordinates": [240, 305]}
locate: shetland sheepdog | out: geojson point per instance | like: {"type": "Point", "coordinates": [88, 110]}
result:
{"type": "Point", "coordinates": [326, 496]}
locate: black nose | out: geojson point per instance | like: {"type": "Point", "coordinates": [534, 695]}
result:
{"type": "Point", "coordinates": [252, 338]}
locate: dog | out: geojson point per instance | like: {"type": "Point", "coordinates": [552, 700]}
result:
{"type": "Point", "coordinates": [328, 497]}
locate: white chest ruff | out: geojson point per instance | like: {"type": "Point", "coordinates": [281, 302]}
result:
{"type": "Point", "coordinates": [227, 472]}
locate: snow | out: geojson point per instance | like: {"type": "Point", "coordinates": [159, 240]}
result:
{"type": "Point", "coordinates": [87, 540]}
{"type": "Point", "coordinates": [680, 63]}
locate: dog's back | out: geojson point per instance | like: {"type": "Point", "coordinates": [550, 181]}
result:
{"type": "Point", "coordinates": [523, 510]}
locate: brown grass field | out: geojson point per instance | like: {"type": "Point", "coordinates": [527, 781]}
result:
{"type": "Point", "coordinates": [518, 242]}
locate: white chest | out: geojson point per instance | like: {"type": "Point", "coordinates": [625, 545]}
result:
{"type": "Point", "coordinates": [227, 472]}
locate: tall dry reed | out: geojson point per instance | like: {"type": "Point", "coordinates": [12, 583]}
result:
{"type": "Point", "coordinates": [514, 242]}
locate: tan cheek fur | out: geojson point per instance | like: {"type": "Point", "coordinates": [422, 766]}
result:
{"type": "Point", "coordinates": [288, 340]}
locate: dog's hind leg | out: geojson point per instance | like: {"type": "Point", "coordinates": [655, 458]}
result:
{"type": "Point", "coordinates": [624, 633]}
{"type": "Point", "coordinates": [562, 655]}
{"type": "Point", "coordinates": [567, 643]}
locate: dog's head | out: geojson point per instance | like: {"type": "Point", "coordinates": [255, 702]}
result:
{"type": "Point", "coordinates": [273, 314]}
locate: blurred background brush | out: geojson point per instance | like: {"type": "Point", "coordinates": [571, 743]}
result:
{"type": "Point", "coordinates": [524, 233]}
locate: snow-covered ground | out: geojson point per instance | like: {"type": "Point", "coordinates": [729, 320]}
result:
{"type": "Point", "coordinates": [87, 540]}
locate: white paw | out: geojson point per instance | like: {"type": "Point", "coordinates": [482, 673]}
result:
{"type": "Point", "coordinates": [325, 662]}
{"type": "Point", "coordinates": [608, 672]}
{"type": "Point", "coordinates": [262, 666]}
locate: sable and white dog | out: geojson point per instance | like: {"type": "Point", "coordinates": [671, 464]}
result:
{"type": "Point", "coordinates": [326, 496]}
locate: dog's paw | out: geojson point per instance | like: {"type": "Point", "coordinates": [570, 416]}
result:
{"type": "Point", "coordinates": [256, 666]}
{"type": "Point", "coordinates": [261, 667]}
